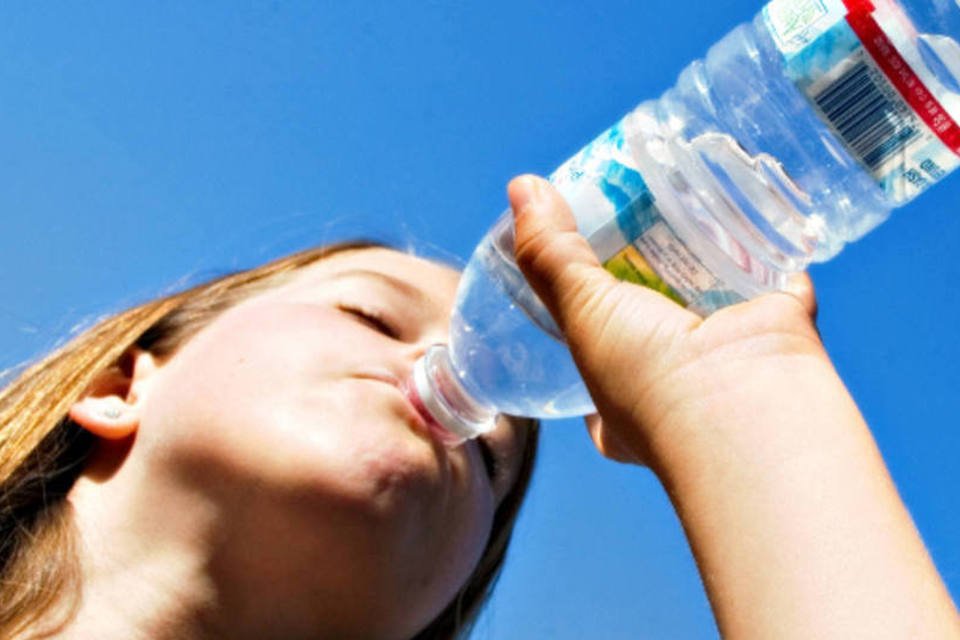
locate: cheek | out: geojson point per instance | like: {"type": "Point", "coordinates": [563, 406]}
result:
{"type": "Point", "coordinates": [382, 509]}
{"type": "Point", "coordinates": [275, 412]}
{"type": "Point", "coordinates": [336, 439]}
{"type": "Point", "coordinates": [445, 543]}
{"type": "Point", "coordinates": [266, 390]}
{"type": "Point", "coordinates": [458, 542]}
{"type": "Point", "coordinates": [293, 423]}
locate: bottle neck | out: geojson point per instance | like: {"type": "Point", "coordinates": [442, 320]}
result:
{"type": "Point", "coordinates": [441, 393]}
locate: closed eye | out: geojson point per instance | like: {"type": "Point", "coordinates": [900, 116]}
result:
{"type": "Point", "coordinates": [372, 318]}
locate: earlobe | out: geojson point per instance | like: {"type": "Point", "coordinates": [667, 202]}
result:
{"type": "Point", "coordinates": [111, 408]}
{"type": "Point", "coordinates": [108, 417]}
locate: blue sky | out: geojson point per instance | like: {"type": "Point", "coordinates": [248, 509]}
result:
{"type": "Point", "coordinates": [145, 147]}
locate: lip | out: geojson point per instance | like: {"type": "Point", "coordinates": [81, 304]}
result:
{"type": "Point", "coordinates": [380, 375]}
{"type": "Point", "coordinates": [426, 423]}
{"type": "Point", "coordinates": [438, 432]}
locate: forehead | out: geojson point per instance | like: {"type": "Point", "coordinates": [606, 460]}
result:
{"type": "Point", "coordinates": [437, 281]}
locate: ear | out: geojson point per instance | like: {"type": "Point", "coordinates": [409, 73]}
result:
{"type": "Point", "coordinates": [111, 406]}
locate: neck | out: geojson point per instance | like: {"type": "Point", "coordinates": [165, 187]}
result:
{"type": "Point", "coordinates": [163, 559]}
{"type": "Point", "coordinates": [142, 554]}
{"type": "Point", "coordinates": [143, 577]}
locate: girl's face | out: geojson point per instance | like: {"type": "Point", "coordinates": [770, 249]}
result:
{"type": "Point", "coordinates": [286, 416]}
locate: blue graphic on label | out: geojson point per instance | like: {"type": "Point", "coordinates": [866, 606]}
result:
{"type": "Point", "coordinates": [617, 213]}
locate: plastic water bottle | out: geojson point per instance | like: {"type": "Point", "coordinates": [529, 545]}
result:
{"type": "Point", "coordinates": [799, 132]}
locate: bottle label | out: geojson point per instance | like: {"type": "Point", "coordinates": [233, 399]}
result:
{"type": "Point", "coordinates": [618, 214]}
{"type": "Point", "coordinates": [859, 65]}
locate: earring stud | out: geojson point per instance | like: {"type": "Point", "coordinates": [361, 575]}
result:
{"type": "Point", "coordinates": [111, 413]}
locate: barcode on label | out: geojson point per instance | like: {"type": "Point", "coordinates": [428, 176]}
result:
{"type": "Point", "coordinates": [874, 126]}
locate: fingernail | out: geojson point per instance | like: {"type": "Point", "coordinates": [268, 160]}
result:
{"type": "Point", "coordinates": [526, 190]}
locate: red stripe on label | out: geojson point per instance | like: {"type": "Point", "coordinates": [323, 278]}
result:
{"type": "Point", "coordinates": [901, 75]}
{"type": "Point", "coordinates": [854, 6]}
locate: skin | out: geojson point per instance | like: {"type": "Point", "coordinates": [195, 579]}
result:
{"type": "Point", "coordinates": [270, 479]}
{"type": "Point", "coordinates": [794, 521]}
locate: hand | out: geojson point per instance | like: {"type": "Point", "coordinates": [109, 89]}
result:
{"type": "Point", "coordinates": [648, 363]}
{"type": "Point", "coordinates": [791, 515]}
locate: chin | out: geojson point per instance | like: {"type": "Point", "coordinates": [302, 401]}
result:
{"type": "Point", "coordinates": [382, 475]}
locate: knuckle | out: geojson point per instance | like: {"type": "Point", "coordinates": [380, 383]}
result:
{"type": "Point", "coordinates": [529, 249]}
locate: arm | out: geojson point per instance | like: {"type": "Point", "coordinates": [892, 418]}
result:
{"type": "Point", "coordinates": [794, 521]}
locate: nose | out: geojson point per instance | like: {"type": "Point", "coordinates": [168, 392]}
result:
{"type": "Point", "coordinates": [415, 351]}
{"type": "Point", "coordinates": [436, 333]}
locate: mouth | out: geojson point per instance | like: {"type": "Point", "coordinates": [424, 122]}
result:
{"type": "Point", "coordinates": [439, 432]}
{"type": "Point", "coordinates": [426, 423]}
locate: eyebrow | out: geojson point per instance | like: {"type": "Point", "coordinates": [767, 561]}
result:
{"type": "Point", "coordinates": [408, 289]}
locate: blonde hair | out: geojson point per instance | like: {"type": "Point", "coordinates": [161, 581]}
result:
{"type": "Point", "coordinates": [42, 452]}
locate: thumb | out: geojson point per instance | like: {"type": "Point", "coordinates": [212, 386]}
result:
{"type": "Point", "coordinates": [557, 261]}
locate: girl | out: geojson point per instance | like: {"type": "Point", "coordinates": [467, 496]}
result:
{"type": "Point", "coordinates": [241, 461]}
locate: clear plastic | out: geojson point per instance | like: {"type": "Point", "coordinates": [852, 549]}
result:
{"type": "Point", "coordinates": [797, 133]}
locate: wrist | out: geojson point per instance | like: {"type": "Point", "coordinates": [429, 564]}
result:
{"type": "Point", "coordinates": [746, 412]}
{"type": "Point", "coordinates": [787, 504]}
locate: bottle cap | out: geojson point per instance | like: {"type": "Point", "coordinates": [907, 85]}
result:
{"type": "Point", "coordinates": [443, 396]}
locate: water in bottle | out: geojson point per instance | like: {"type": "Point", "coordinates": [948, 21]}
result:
{"type": "Point", "coordinates": [798, 133]}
